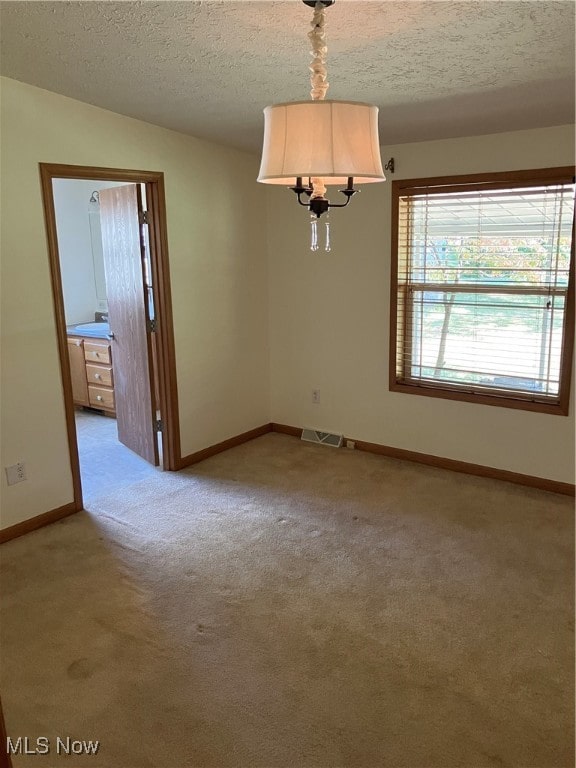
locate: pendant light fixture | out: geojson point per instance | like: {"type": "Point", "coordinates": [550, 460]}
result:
{"type": "Point", "coordinates": [309, 145]}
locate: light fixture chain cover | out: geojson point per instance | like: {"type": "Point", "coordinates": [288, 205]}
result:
{"type": "Point", "coordinates": [319, 74]}
{"type": "Point", "coordinates": [319, 49]}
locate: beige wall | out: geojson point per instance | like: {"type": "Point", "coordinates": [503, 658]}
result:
{"type": "Point", "coordinates": [218, 270]}
{"type": "Point", "coordinates": [329, 322]}
{"type": "Point", "coordinates": [328, 316]}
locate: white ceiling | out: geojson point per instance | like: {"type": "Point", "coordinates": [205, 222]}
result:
{"type": "Point", "coordinates": [436, 69]}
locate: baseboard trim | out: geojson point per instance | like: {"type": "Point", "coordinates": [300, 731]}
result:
{"type": "Point", "coordinates": [33, 523]}
{"type": "Point", "coordinates": [286, 430]}
{"type": "Point", "coordinates": [232, 442]}
{"type": "Point", "coordinates": [554, 486]}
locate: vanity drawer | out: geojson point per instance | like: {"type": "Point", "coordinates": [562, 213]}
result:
{"type": "Point", "coordinates": [97, 352]}
{"type": "Point", "coordinates": [100, 397]}
{"type": "Point", "coordinates": [99, 374]}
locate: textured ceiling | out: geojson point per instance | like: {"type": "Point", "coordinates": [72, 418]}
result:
{"type": "Point", "coordinates": [436, 69]}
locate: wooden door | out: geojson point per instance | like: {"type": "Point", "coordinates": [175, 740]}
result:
{"type": "Point", "coordinates": [123, 246]}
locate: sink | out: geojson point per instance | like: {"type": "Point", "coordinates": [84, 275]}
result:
{"type": "Point", "coordinates": [99, 330]}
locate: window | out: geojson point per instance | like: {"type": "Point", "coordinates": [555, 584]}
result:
{"type": "Point", "coordinates": [483, 288]}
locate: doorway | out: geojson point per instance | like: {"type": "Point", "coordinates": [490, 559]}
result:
{"type": "Point", "coordinates": [117, 362]}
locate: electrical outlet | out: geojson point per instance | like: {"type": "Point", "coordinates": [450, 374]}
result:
{"type": "Point", "coordinates": [316, 396]}
{"type": "Point", "coordinates": [350, 444]}
{"type": "Point", "coordinates": [16, 473]}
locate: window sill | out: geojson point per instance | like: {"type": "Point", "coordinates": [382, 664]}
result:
{"type": "Point", "coordinates": [501, 401]}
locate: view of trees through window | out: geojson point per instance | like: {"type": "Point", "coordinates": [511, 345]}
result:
{"type": "Point", "coordinates": [482, 287]}
{"type": "Point", "coordinates": [471, 335]}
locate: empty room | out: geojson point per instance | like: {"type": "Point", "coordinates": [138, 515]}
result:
{"type": "Point", "coordinates": [287, 414]}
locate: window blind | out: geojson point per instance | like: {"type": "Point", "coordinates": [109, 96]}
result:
{"type": "Point", "coordinates": [482, 280]}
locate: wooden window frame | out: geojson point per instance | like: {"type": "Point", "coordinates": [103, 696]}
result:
{"type": "Point", "coordinates": [475, 182]}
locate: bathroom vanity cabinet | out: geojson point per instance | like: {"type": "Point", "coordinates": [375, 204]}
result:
{"type": "Point", "coordinates": [92, 373]}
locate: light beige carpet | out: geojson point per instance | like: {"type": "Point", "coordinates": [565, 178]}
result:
{"type": "Point", "coordinates": [285, 605]}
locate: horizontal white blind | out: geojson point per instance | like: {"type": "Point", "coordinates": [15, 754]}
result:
{"type": "Point", "coordinates": [482, 285]}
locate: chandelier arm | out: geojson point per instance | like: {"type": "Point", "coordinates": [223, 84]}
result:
{"type": "Point", "coordinates": [340, 205]}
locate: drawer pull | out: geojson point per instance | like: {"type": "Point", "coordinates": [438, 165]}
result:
{"type": "Point", "coordinates": [97, 376]}
{"type": "Point", "coordinates": [99, 397]}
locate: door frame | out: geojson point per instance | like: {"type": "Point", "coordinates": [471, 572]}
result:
{"type": "Point", "coordinates": [166, 358]}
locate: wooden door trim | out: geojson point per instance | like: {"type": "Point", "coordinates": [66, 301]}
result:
{"type": "Point", "coordinates": [56, 280]}
{"type": "Point", "coordinates": [166, 362]}
{"type": "Point", "coordinates": [158, 237]}
{"type": "Point", "coordinates": [5, 758]}
{"type": "Point", "coordinates": [94, 173]}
